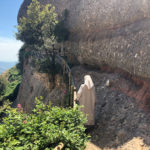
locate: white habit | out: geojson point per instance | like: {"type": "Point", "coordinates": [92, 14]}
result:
{"type": "Point", "coordinates": [87, 98]}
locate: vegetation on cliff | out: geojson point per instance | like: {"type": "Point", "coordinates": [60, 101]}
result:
{"type": "Point", "coordinates": [9, 84]}
{"type": "Point", "coordinates": [22, 56]}
{"type": "Point", "coordinates": [2, 85]}
{"type": "Point", "coordinates": [37, 29]}
{"type": "Point", "coordinates": [61, 32]}
{"type": "Point", "coordinates": [43, 129]}
{"type": "Point", "coordinates": [10, 80]}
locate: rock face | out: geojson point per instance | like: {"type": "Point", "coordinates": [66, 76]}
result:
{"type": "Point", "coordinates": [36, 84]}
{"type": "Point", "coordinates": [122, 122]}
{"type": "Point", "coordinates": [112, 32]}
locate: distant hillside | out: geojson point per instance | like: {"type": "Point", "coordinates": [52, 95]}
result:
{"type": "Point", "coordinates": [6, 65]}
{"type": "Point", "coordinates": [13, 79]}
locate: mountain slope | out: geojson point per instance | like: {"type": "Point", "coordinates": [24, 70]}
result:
{"type": "Point", "coordinates": [5, 66]}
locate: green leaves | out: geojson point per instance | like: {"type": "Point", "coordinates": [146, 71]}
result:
{"type": "Point", "coordinates": [43, 129]}
{"type": "Point", "coordinates": [2, 85]}
{"type": "Point", "coordinates": [37, 29]}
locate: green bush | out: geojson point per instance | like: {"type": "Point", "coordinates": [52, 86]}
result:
{"type": "Point", "coordinates": [13, 78]}
{"type": "Point", "coordinates": [43, 129]}
{"type": "Point", "coordinates": [3, 84]}
{"type": "Point", "coordinates": [21, 58]}
{"type": "Point", "coordinates": [37, 29]}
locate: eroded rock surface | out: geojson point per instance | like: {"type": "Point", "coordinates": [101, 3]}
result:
{"type": "Point", "coordinates": [112, 32]}
{"type": "Point", "coordinates": [122, 124]}
{"type": "Point", "coordinates": [35, 84]}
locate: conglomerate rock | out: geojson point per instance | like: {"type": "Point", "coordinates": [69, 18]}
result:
{"type": "Point", "coordinates": [122, 122]}
{"type": "Point", "coordinates": [112, 32]}
{"type": "Point", "coordinates": [35, 84]}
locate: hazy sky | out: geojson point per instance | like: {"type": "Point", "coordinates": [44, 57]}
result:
{"type": "Point", "coordinates": [9, 46]}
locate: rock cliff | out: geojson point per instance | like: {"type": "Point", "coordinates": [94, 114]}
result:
{"type": "Point", "coordinates": [114, 33]}
{"type": "Point", "coordinates": [35, 84]}
{"type": "Point", "coordinates": [122, 114]}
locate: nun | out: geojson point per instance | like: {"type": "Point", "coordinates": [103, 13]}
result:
{"type": "Point", "coordinates": [86, 97]}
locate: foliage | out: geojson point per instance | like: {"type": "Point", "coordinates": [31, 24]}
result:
{"type": "Point", "coordinates": [43, 129]}
{"type": "Point", "coordinates": [13, 78]}
{"type": "Point", "coordinates": [3, 108]}
{"type": "Point", "coordinates": [2, 85]}
{"type": "Point", "coordinates": [21, 56]}
{"type": "Point", "coordinates": [45, 65]}
{"type": "Point", "coordinates": [61, 31]}
{"type": "Point", "coordinates": [37, 29]}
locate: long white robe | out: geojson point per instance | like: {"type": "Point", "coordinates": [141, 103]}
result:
{"type": "Point", "coordinates": [87, 98]}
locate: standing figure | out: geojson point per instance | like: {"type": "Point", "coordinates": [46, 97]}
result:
{"type": "Point", "coordinates": [86, 97]}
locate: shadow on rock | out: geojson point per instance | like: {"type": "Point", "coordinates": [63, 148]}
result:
{"type": "Point", "coordinates": [120, 121]}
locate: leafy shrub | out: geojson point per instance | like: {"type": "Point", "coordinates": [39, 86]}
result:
{"type": "Point", "coordinates": [21, 58]}
{"type": "Point", "coordinates": [3, 84]}
{"type": "Point", "coordinates": [37, 29]}
{"type": "Point", "coordinates": [3, 108]}
{"type": "Point", "coordinates": [13, 78]}
{"type": "Point", "coordinates": [43, 129]}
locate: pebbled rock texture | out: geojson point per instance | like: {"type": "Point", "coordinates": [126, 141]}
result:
{"type": "Point", "coordinates": [122, 121]}
{"type": "Point", "coordinates": [112, 32]}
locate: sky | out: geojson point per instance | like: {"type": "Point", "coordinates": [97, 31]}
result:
{"type": "Point", "coordinates": [9, 46]}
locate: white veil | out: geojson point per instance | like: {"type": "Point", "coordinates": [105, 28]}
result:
{"type": "Point", "coordinates": [88, 81]}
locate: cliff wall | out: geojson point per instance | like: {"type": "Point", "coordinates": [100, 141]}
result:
{"type": "Point", "coordinates": [104, 33]}
{"type": "Point", "coordinates": [35, 84]}
{"type": "Point", "coordinates": [110, 32]}
{"type": "Point", "coordinates": [122, 110]}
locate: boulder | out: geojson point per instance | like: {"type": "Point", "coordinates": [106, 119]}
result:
{"type": "Point", "coordinates": [114, 33]}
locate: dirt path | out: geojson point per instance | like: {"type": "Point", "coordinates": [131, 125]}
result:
{"type": "Point", "coordinates": [134, 144]}
{"type": "Point", "coordinates": [91, 146]}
